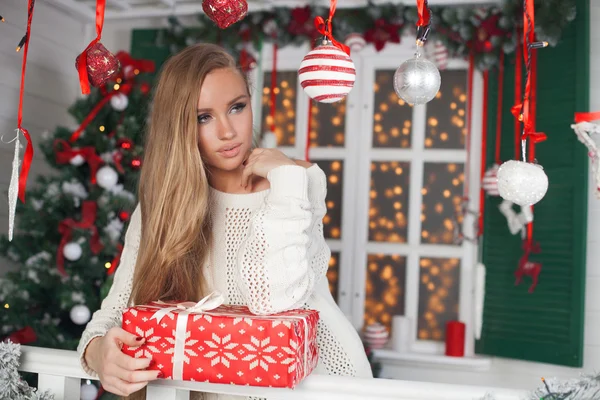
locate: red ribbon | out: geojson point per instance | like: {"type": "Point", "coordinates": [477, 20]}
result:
{"type": "Point", "coordinates": [115, 262]}
{"type": "Point", "coordinates": [117, 158]}
{"type": "Point", "coordinates": [88, 153]}
{"type": "Point", "coordinates": [586, 116]}
{"type": "Point", "coordinates": [484, 121]}
{"type": "Point", "coordinates": [124, 89]}
{"type": "Point", "coordinates": [28, 156]}
{"type": "Point", "coordinates": [22, 336]}
{"type": "Point", "coordinates": [139, 65]}
{"type": "Point", "coordinates": [424, 13]}
{"type": "Point", "coordinates": [469, 116]}
{"type": "Point", "coordinates": [273, 86]}
{"type": "Point", "coordinates": [324, 28]}
{"type": "Point", "coordinates": [82, 60]}
{"type": "Point", "coordinates": [65, 228]}
{"type": "Point", "coordinates": [499, 109]}
{"type": "Point", "coordinates": [518, 99]}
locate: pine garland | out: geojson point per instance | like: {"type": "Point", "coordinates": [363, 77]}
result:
{"type": "Point", "coordinates": [486, 31]}
{"type": "Point", "coordinates": [586, 387]}
{"type": "Point", "coordinates": [12, 387]}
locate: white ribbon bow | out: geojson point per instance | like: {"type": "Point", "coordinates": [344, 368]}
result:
{"type": "Point", "coordinates": [584, 131]}
{"type": "Point", "coordinates": [516, 222]}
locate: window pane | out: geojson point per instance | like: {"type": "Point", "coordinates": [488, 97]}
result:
{"type": "Point", "coordinates": [446, 126]}
{"type": "Point", "coordinates": [328, 124]}
{"type": "Point", "coordinates": [384, 294]}
{"type": "Point", "coordinates": [442, 198]}
{"type": "Point", "coordinates": [285, 106]}
{"type": "Point", "coordinates": [333, 274]}
{"type": "Point", "coordinates": [392, 116]}
{"type": "Point", "coordinates": [389, 201]}
{"type": "Point", "coordinates": [439, 281]}
{"type": "Point", "coordinates": [332, 222]}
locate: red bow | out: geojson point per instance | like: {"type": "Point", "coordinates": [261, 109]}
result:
{"type": "Point", "coordinates": [22, 336]}
{"type": "Point", "coordinates": [536, 137]}
{"type": "Point", "coordinates": [586, 116]}
{"type": "Point", "coordinates": [88, 153]}
{"type": "Point", "coordinates": [138, 66]}
{"type": "Point", "coordinates": [89, 209]}
{"type": "Point", "coordinates": [324, 28]}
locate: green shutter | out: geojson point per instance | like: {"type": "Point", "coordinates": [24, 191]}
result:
{"type": "Point", "coordinates": [546, 326]}
{"type": "Point", "coordinates": [143, 46]}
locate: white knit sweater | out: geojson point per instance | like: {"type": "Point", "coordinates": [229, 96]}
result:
{"type": "Point", "coordinates": [269, 254]}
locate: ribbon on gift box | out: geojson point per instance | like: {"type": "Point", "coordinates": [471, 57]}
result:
{"type": "Point", "coordinates": [204, 306]}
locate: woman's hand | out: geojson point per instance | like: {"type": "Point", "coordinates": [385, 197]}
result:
{"type": "Point", "coordinates": [261, 162]}
{"type": "Point", "coordinates": [119, 373]}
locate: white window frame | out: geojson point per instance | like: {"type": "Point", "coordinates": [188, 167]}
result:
{"type": "Point", "coordinates": [357, 156]}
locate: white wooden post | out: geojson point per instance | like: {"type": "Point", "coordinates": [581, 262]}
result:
{"type": "Point", "coordinates": [62, 387]}
{"type": "Point", "coordinates": [166, 393]}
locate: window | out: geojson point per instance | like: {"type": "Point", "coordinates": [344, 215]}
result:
{"type": "Point", "coordinates": [385, 159]}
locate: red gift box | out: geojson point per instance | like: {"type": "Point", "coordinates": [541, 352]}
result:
{"type": "Point", "coordinates": [215, 343]}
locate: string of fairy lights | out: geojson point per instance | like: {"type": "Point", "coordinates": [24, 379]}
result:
{"type": "Point", "coordinates": [441, 192]}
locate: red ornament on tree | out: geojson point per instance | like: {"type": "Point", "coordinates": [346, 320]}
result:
{"type": "Point", "coordinates": [247, 61]}
{"type": "Point", "coordinates": [124, 216]}
{"type": "Point", "coordinates": [488, 29]}
{"type": "Point", "coordinates": [101, 64]}
{"type": "Point", "coordinates": [125, 144]}
{"type": "Point", "coordinates": [136, 162]}
{"type": "Point", "coordinates": [145, 88]}
{"type": "Point", "coordinates": [225, 12]}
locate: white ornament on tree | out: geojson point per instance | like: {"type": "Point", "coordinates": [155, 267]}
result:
{"type": "Point", "coordinates": [417, 81]}
{"type": "Point", "coordinates": [77, 160]}
{"type": "Point", "coordinates": [522, 183]}
{"type": "Point", "coordinates": [72, 251]}
{"type": "Point", "coordinates": [80, 314]}
{"type": "Point", "coordinates": [88, 391]}
{"type": "Point", "coordinates": [327, 74]}
{"type": "Point", "coordinates": [490, 181]}
{"type": "Point", "coordinates": [107, 177]}
{"type": "Point", "coordinates": [355, 41]}
{"type": "Point", "coordinates": [119, 102]}
{"type": "Point", "coordinates": [376, 335]}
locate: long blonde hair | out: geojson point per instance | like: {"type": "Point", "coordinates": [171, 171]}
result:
{"type": "Point", "coordinates": [173, 188]}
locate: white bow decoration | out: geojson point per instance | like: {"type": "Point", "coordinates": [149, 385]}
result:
{"type": "Point", "coordinates": [583, 131]}
{"type": "Point", "coordinates": [210, 302]}
{"type": "Point", "coordinates": [516, 222]}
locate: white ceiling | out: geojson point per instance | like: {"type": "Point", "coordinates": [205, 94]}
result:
{"type": "Point", "coordinates": [132, 9]}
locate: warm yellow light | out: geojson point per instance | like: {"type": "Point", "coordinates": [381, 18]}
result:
{"type": "Point", "coordinates": [116, 86]}
{"type": "Point", "coordinates": [101, 128]}
{"type": "Point", "coordinates": [6, 305]}
{"type": "Point", "coordinates": [107, 265]}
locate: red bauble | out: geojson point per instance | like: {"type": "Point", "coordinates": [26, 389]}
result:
{"type": "Point", "coordinates": [101, 64]}
{"type": "Point", "coordinates": [225, 12]}
{"type": "Point", "coordinates": [124, 216]}
{"type": "Point", "coordinates": [125, 144]}
{"type": "Point", "coordinates": [145, 88]}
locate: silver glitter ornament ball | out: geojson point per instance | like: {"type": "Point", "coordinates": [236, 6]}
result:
{"type": "Point", "coordinates": [522, 183]}
{"type": "Point", "coordinates": [417, 80]}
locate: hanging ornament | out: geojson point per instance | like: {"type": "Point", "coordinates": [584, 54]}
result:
{"type": "Point", "coordinates": [529, 268]}
{"type": "Point", "coordinates": [225, 12]}
{"type": "Point", "coordinates": [247, 61]}
{"type": "Point", "coordinates": [584, 128]}
{"type": "Point", "coordinates": [327, 73]}
{"type": "Point", "coordinates": [107, 177]}
{"type": "Point", "coordinates": [489, 182]}
{"type": "Point", "coordinates": [516, 222]}
{"type": "Point", "coordinates": [119, 102]}
{"type": "Point", "coordinates": [72, 251]}
{"type": "Point", "coordinates": [418, 80]}
{"type": "Point", "coordinates": [521, 182]}
{"type": "Point", "coordinates": [80, 314]}
{"type": "Point", "coordinates": [124, 216]}
{"type": "Point", "coordinates": [355, 41]}
{"type": "Point", "coordinates": [376, 335]}
{"type": "Point", "coordinates": [88, 391]}
{"type": "Point", "coordinates": [438, 53]}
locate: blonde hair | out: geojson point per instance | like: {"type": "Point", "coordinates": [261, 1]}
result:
{"type": "Point", "coordinates": [173, 189]}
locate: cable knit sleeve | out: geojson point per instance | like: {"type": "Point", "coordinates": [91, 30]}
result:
{"type": "Point", "coordinates": [285, 253]}
{"type": "Point", "coordinates": [111, 311]}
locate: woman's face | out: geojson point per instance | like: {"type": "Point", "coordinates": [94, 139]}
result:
{"type": "Point", "coordinates": [224, 120]}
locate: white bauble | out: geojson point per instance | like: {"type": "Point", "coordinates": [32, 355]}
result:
{"type": "Point", "coordinates": [107, 177]}
{"type": "Point", "coordinates": [72, 251]}
{"type": "Point", "coordinates": [490, 181]}
{"type": "Point", "coordinates": [80, 314]}
{"type": "Point", "coordinates": [88, 392]}
{"type": "Point", "coordinates": [355, 41]}
{"type": "Point", "coordinates": [77, 160]}
{"type": "Point", "coordinates": [417, 80]}
{"type": "Point", "coordinates": [376, 335]}
{"type": "Point", "coordinates": [522, 183]}
{"type": "Point", "coordinates": [119, 102]}
{"type": "Point", "coordinates": [327, 74]}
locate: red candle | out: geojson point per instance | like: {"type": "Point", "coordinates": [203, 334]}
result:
{"type": "Point", "coordinates": [455, 339]}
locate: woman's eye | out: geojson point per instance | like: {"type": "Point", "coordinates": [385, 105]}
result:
{"type": "Point", "coordinates": [204, 118]}
{"type": "Point", "coordinates": [238, 107]}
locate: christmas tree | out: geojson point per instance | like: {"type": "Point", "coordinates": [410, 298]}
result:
{"type": "Point", "coordinates": [70, 231]}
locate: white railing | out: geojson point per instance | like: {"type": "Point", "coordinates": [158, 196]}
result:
{"type": "Point", "coordinates": [59, 371]}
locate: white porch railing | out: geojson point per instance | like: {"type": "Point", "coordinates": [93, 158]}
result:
{"type": "Point", "coordinates": [59, 371]}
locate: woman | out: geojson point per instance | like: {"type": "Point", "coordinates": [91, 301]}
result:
{"type": "Point", "coordinates": [216, 214]}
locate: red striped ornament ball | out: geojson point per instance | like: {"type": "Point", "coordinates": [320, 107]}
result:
{"type": "Point", "coordinates": [327, 74]}
{"type": "Point", "coordinates": [490, 181]}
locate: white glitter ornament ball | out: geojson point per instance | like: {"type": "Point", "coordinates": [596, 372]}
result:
{"type": "Point", "coordinates": [522, 183]}
{"type": "Point", "coordinates": [417, 80]}
{"type": "Point", "coordinates": [88, 392]}
{"type": "Point", "coordinates": [119, 102]}
{"type": "Point", "coordinates": [355, 41]}
{"type": "Point", "coordinates": [376, 335]}
{"type": "Point", "coordinates": [107, 177]}
{"type": "Point", "coordinates": [490, 181]}
{"type": "Point", "coordinates": [80, 314]}
{"type": "Point", "coordinates": [77, 160]}
{"type": "Point", "coordinates": [327, 74]}
{"type": "Point", "coordinates": [72, 251]}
